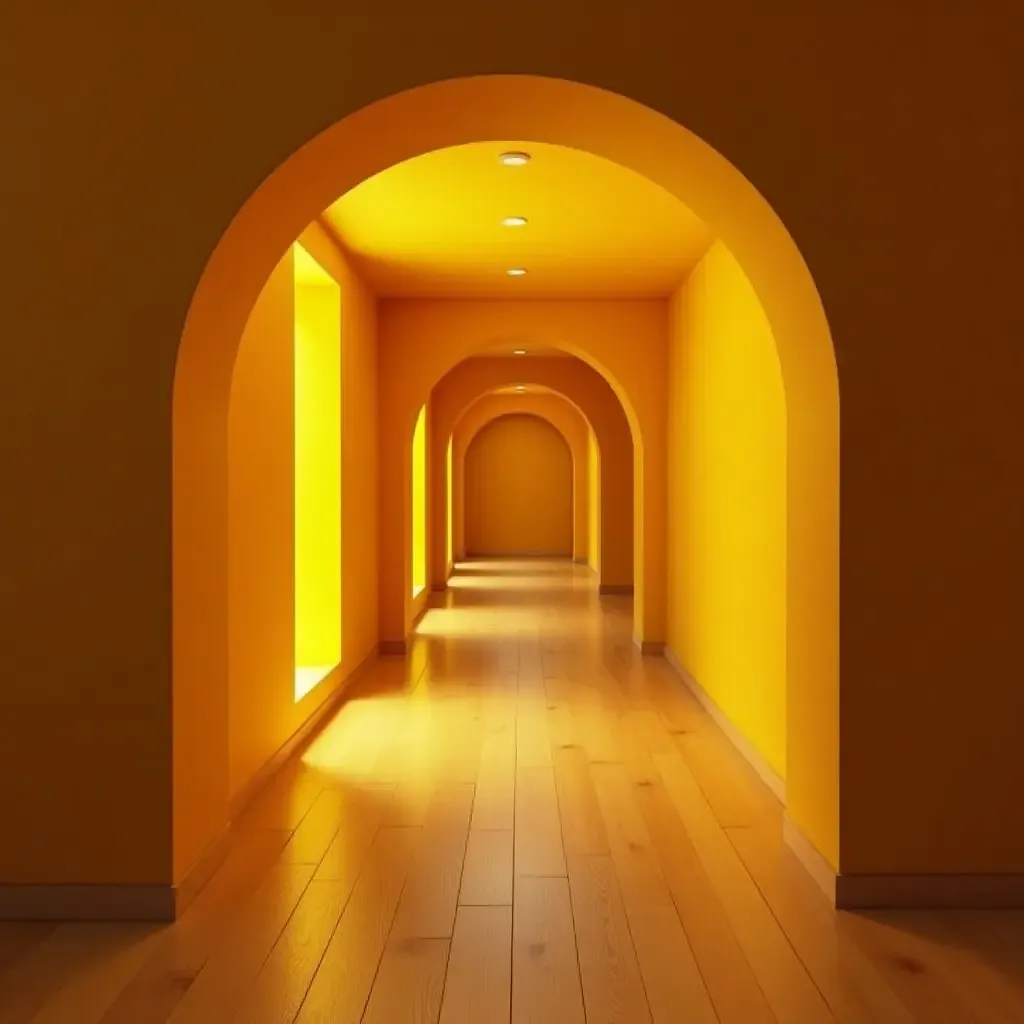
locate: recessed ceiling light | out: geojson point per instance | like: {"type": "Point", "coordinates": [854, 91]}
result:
{"type": "Point", "coordinates": [519, 352]}
{"type": "Point", "coordinates": [514, 222]}
{"type": "Point", "coordinates": [514, 159]}
{"type": "Point", "coordinates": [515, 272]}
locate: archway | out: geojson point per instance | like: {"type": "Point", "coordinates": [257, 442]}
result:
{"type": "Point", "coordinates": [563, 416]}
{"type": "Point", "coordinates": [591, 394]}
{"type": "Point", "coordinates": [445, 114]}
{"type": "Point", "coordinates": [518, 490]}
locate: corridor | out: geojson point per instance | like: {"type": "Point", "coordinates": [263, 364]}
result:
{"type": "Point", "coordinates": [520, 820]}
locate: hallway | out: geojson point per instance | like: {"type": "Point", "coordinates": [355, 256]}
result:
{"type": "Point", "coordinates": [521, 820]}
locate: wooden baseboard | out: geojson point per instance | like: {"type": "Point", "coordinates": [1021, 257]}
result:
{"type": "Point", "coordinates": [392, 648]}
{"type": "Point", "coordinates": [165, 903]}
{"type": "Point", "coordinates": [609, 589]}
{"type": "Point", "coordinates": [768, 774]}
{"type": "Point", "coordinates": [87, 903]}
{"type": "Point", "coordinates": [929, 892]}
{"type": "Point", "coordinates": [810, 857]}
{"type": "Point", "coordinates": [649, 648]}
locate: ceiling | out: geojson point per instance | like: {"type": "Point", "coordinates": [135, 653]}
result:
{"type": "Point", "coordinates": [431, 226]}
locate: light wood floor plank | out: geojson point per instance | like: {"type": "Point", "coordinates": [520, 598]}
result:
{"type": "Point", "coordinates": [545, 970]}
{"type": "Point", "coordinates": [583, 830]}
{"type": "Point", "coordinates": [854, 989]}
{"type": "Point", "coordinates": [221, 986]}
{"type": "Point", "coordinates": [784, 980]}
{"type": "Point", "coordinates": [184, 949]}
{"type": "Point", "coordinates": [76, 974]}
{"type": "Point", "coordinates": [675, 987]}
{"type": "Point", "coordinates": [409, 983]}
{"type": "Point", "coordinates": [487, 872]}
{"type": "Point", "coordinates": [612, 988]}
{"type": "Point", "coordinates": [478, 989]}
{"type": "Point", "coordinates": [494, 804]}
{"type": "Point", "coordinates": [533, 747]}
{"type": "Point", "coordinates": [284, 979]}
{"type": "Point", "coordinates": [734, 990]}
{"type": "Point", "coordinates": [431, 894]}
{"type": "Point", "coordinates": [538, 829]}
{"type": "Point", "coordinates": [344, 857]}
{"type": "Point", "coordinates": [343, 981]}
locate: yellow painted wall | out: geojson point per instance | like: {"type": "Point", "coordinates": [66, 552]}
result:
{"type": "Point", "coordinates": [421, 340]}
{"type": "Point", "coordinates": [519, 490]}
{"type": "Point", "coordinates": [927, 342]}
{"type": "Point", "coordinates": [563, 416]}
{"type": "Point", "coordinates": [261, 460]}
{"type": "Point", "coordinates": [727, 502]}
{"type": "Point", "coordinates": [263, 712]}
{"type": "Point", "coordinates": [589, 392]}
{"type": "Point", "coordinates": [594, 485]}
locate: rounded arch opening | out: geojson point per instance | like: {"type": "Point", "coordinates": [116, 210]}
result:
{"type": "Point", "coordinates": [554, 407]}
{"type": "Point", "coordinates": [518, 488]}
{"type": "Point", "coordinates": [449, 113]}
{"type": "Point", "coordinates": [612, 462]}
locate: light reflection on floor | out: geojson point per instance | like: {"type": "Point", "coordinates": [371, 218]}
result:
{"type": "Point", "coordinates": [470, 631]}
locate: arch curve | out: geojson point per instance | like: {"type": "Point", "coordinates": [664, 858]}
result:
{"type": "Point", "coordinates": [519, 475]}
{"type": "Point", "coordinates": [552, 407]}
{"type": "Point", "coordinates": [449, 113]}
{"type": "Point", "coordinates": [578, 383]}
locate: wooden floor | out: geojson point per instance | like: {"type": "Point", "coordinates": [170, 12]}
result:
{"type": "Point", "coordinates": [522, 821]}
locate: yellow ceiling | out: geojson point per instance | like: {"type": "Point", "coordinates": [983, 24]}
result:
{"type": "Point", "coordinates": [432, 226]}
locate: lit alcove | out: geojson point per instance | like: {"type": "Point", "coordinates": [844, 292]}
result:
{"type": "Point", "coordinates": [419, 504]}
{"type": "Point", "coordinates": [449, 484]}
{"type": "Point", "coordinates": [317, 473]}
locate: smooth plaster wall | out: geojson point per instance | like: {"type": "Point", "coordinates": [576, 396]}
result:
{"type": "Point", "coordinates": [263, 713]}
{"type": "Point", "coordinates": [562, 415]}
{"type": "Point", "coordinates": [901, 188]}
{"type": "Point", "coordinates": [519, 490]}
{"type": "Point", "coordinates": [585, 388]}
{"type": "Point", "coordinates": [727, 502]}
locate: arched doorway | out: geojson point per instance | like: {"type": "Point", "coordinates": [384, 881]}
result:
{"type": "Point", "coordinates": [564, 113]}
{"type": "Point", "coordinates": [518, 497]}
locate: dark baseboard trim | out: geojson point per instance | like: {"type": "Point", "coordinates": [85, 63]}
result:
{"type": "Point", "coordinates": [165, 903]}
{"type": "Point", "coordinates": [608, 589]}
{"type": "Point", "coordinates": [87, 903]}
{"type": "Point", "coordinates": [649, 648]}
{"type": "Point", "coordinates": [929, 892]}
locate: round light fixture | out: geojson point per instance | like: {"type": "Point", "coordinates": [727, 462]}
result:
{"type": "Point", "coordinates": [515, 272]}
{"type": "Point", "coordinates": [519, 387]}
{"type": "Point", "coordinates": [514, 159]}
{"type": "Point", "coordinates": [519, 352]}
{"type": "Point", "coordinates": [514, 222]}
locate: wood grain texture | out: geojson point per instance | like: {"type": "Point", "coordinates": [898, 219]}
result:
{"type": "Point", "coordinates": [525, 821]}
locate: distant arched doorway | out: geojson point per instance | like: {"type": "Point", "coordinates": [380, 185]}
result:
{"type": "Point", "coordinates": [519, 490]}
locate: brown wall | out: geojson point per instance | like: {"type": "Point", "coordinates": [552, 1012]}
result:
{"type": "Point", "coordinates": [519, 490]}
{"type": "Point", "coordinates": [564, 417]}
{"type": "Point", "coordinates": [592, 395]}
{"type": "Point", "coordinates": [882, 140]}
